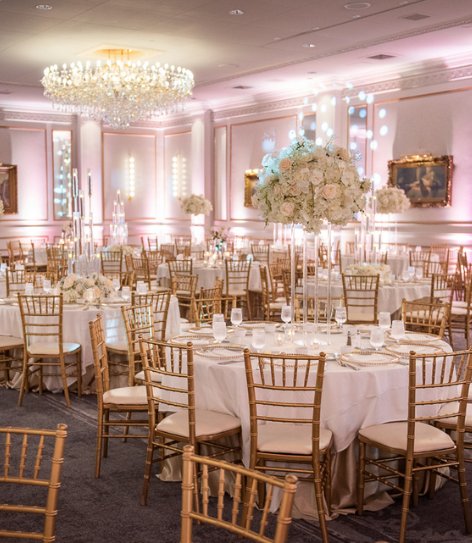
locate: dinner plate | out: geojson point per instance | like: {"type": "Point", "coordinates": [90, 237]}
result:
{"type": "Point", "coordinates": [221, 353]}
{"type": "Point", "coordinates": [196, 340]}
{"type": "Point", "coordinates": [256, 325]}
{"type": "Point", "coordinates": [370, 358]}
{"type": "Point", "coordinates": [208, 330]}
{"type": "Point", "coordinates": [417, 337]}
{"type": "Point", "coordinates": [403, 349]}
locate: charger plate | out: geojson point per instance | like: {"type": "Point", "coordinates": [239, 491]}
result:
{"type": "Point", "coordinates": [256, 324]}
{"type": "Point", "coordinates": [196, 340]}
{"type": "Point", "coordinates": [221, 353]}
{"type": "Point", "coordinates": [417, 337]}
{"type": "Point", "coordinates": [403, 349]}
{"type": "Point", "coordinates": [208, 331]}
{"type": "Point", "coordinates": [370, 359]}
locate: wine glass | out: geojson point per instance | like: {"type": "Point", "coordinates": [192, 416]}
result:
{"type": "Point", "coordinates": [125, 293]}
{"type": "Point", "coordinates": [340, 316]}
{"type": "Point", "coordinates": [258, 339]}
{"type": "Point", "coordinates": [218, 317]}
{"type": "Point", "coordinates": [384, 320]}
{"type": "Point", "coordinates": [236, 316]}
{"type": "Point", "coordinates": [286, 314]}
{"type": "Point", "coordinates": [219, 331]}
{"type": "Point", "coordinates": [398, 330]}
{"type": "Point", "coordinates": [377, 337]}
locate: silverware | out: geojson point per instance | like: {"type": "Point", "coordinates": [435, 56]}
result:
{"type": "Point", "coordinates": [345, 364]}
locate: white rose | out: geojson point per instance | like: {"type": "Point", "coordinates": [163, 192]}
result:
{"type": "Point", "coordinates": [287, 209]}
{"type": "Point", "coordinates": [330, 192]}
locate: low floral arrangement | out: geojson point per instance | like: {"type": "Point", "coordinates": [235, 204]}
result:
{"type": "Point", "coordinates": [391, 200]}
{"type": "Point", "coordinates": [127, 249]}
{"type": "Point", "coordinates": [2, 208]}
{"type": "Point", "coordinates": [371, 269]}
{"type": "Point", "coordinates": [196, 205]}
{"type": "Point", "coordinates": [220, 235]}
{"type": "Point", "coordinates": [74, 288]}
{"type": "Point", "coordinates": [307, 183]}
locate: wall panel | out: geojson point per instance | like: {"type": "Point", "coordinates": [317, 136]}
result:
{"type": "Point", "coordinates": [177, 146]}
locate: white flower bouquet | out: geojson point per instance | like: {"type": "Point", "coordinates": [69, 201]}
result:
{"type": "Point", "coordinates": [127, 249]}
{"type": "Point", "coordinates": [74, 288]}
{"type": "Point", "coordinates": [371, 269]}
{"type": "Point", "coordinates": [196, 205]}
{"type": "Point", "coordinates": [306, 184]}
{"type": "Point", "coordinates": [391, 200]}
{"type": "Point", "coordinates": [220, 235]}
{"type": "Point", "coordinates": [2, 208]}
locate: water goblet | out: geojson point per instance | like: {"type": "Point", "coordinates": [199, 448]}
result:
{"type": "Point", "coordinates": [398, 330]}
{"type": "Point", "coordinates": [384, 320]}
{"type": "Point", "coordinates": [219, 331]}
{"type": "Point", "coordinates": [258, 339]}
{"type": "Point", "coordinates": [377, 337]}
{"type": "Point", "coordinates": [125, 293]}
{"type": "Point", "coordinates": [218, 317]}
{"type": "Point", "coordinates": [236, 316]}
{"type": "Point", "coordinates": [286, 314]}
{"type": "Point", "coordinates": [340, 316]}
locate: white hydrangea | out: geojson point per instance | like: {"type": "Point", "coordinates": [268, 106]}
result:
{"type": "Point", "coordinates": [73, 287]}
{"type": "Point", "coordinates": [371, 269]}
{"type": "Point", "coordinates": [391, 200]}
{"type": "Point", "coordinates": [306, 184]}
{"type": "Point", "coordinates": [196, 205]}
{"type": "Point", "coordinates": [127, 249]}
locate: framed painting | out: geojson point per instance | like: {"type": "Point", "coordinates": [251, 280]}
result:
{"type": "Point", "coordinates": [9, 188]}
{"type": "Point", "coordinates": [251, 177]}
{"type": "Point", "coordinates": [426, 180]}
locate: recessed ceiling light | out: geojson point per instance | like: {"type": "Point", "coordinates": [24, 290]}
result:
{"type": "Point", "coordinates": [277, 39]}
{"type": "Point", "coordinates": [356, 16]}
{"type": "Point", "coordinates": [309, 45]}
{"type": "Point", "coordinates": [43, 6]}
{"type": "Point", "coordinates": [357, 5]}
{"type": "Point", "coordinates": [236, 12]}
{"type": "Point", "coordinates": [228, 65]}
{"type": "Point", "coordinates": [316, 28]}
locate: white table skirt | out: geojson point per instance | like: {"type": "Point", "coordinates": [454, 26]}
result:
{"type": "Point", "coordinates": [76, 330]}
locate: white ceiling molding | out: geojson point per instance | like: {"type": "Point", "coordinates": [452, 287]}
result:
{"type": "Point", "coordinates": [38, 117]}
{"type": "Point", "coordinates": [263, 107]}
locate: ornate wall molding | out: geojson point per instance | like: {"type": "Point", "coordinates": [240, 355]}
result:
{"type": "Point", "coordinates": [258, 108]}
{"type": "Point", "coordinates": [30, 116]}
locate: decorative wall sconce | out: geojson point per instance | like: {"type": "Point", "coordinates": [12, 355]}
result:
{"type": "Point", "coordinates": [179, 177]}
{"type": "Point", "coordinates": [62, 163]}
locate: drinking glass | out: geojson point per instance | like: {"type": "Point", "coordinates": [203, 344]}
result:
{"type": "Point", "coordinates": [286, 314]}
{"type": "Point", "coordinates": [219, 331]}
{"type": "Point", "coordinates": [377, 337]}
{"type": "Point", "coordinates": [125, 293]}
{"type": "Point", "coordinates": [218, 317]}
{"type": "Point", "coordinates": [236, 316]}
{"type": "Point", "coordinates": [116, 284]}
{"type": "Point", "coordinates": [258, 339]}
{"type": "Point", "coordinates": [384, 320]}
{"type": "Point", "coordinates": [340, 316]}
{"type": "Point", "coordinates": [47, 286]}
{"type": "Point", "coordinates": [398, 330]}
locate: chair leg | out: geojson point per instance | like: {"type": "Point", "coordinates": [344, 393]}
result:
{"type": "Point", "coordinates": [463, 491]}
{"type": "Point", "coordinates": [147, 468]}
{"type": "Point", "coordinates": [327, 486]}
{"type": "Point", "coordinates": [64, 381]}
{"type": "Point", "coordinates": [40, 378]}
{"type": "Point", "coordinates": [78, 360]}
{"type": "Point", "coordinates": [320, 506]}
{"type": "Point", "coordinates": [406, 498]}
{"type": "Point", "coordinates": [126, 428]}
{"type": "Point", "coordinates": [360, 479]}
{"type": "Point", "coordinates": [416, 487]}
{"type": "Point", "coordinates": [24, 379]}
{"type": "Point", "coordinates": [105, 432]}
{"type": "Point", "coordinates": [450, 335]}
{"type": "Point", "coordinates": [98, 453]}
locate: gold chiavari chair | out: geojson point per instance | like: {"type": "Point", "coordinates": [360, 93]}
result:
{"type": "Point", "coordinates": [261, 253]}
{"type": "Point", "coordinates": [181, 245]}
{"type": "Point", "coordinates": [425, 317]}
{"type": "Point", "coordinates": [25, 469]}
{"type": "Point", "coordinates": [112, 264]}
{"type": "Point", "coordinates": [140, 267]}
{"type": "Point", "coordinates": [152, 244]}
{"type": "Point", "coordinates": [287, 279]}
{"type": "Point", "coordinates": [14, 252]}
{"type": "Point", "coordinates": [27, 256]}
{"type": "Point", "coordinates": [420, 259]}
{"type": "Point", "coordinates": [160, 303]}
{"type": "Point", "coordinates": [272, 307]}
{"type": "Point", "coordinates": [154, 259]}
{"type": "Point", "coordinates": [285, 263]}
{"type": "Point", "coordinates": [444, 381]}
{"type": "Point", "coordinates": [16, 281]}
{"type": "Point", "coordinates": [322, 308]}
{"type": "Point", "coordinates": [168, 251]}
{"type": "Point", "coordinates": [42, 323]}
{"type": "Point", "coordinates": [440, 249]}
{"type": "Point", "coordinates": [57, 261]}
{"type": "Point", "coordinates": [237, 282]}
{"type": "Point", "coordinates": [434, 268]}
{"type": "Point", "coordinates": [290, 433]}
{"type": "Point", "coordinates": [442, 287]}
{"type": "Point", "coordinates": [350, 247]}
{"type": "Point", "coordinates": [277, 280]}
{"type": "Point", "coordinates": [210, 302]}
{"type": "Point", "coordinates": [197, 427]}
{"type": "Point", "coordinates": [361, 294]}
{"type": "Point", "coordinates": [187, 252]}
{"type": "Point", "coordinates": [40, 277]}
{"type": "Point", "coordinates": [179, 267]}
{"type": "Point", "coordinates": [185, 288]}
{"type": "Point", "coordinates": [460, 319]}
{"type": "Point", "coordinates": [232, 520]}
{"type": "Point", "coordinates": [197, 254]}
{"type": "Point", "coordinates": [112, 401]}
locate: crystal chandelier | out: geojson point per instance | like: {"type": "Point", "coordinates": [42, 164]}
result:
{"type": "Point", "coordinates": [118, 92]}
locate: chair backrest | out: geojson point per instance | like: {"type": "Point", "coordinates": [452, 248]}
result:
{"type": "Point", "coordinates": [361, 293]}
{"type": "Point", "coordinates": [182, 245]}
{"type": "Point", "coordinates": [197, 254]}
{"type": "Point", "coordinates": [424, 316]}
{"type": "Point", "coordinates": [322, 308]}
{"type": "Point", "coordinates": [154, 259]}
{"type": "Point", "coordinates": [232, 521]}
{"type": "Point", "coordinates": [179, 267]}
{"type": "Point", "coordinates": [16, 281]}
{"type": "Point", "coordinates": [160, 303]}
{"type": "Point", "coordinates": [442, 287]}
{"type": "Point", "coordinates": [261, 252]}
{"type": "Point", "coordinates": [237, 276]}
{"type": "Point", "coordinates": [284, 389]}
{"type": "Point", "coordinates": [27, 256]}
{"type": "Point", "coordinates": [438, 383]}
{"type": "Point", "coordinates": [26, 467]}
{"type": "Point", "coordinates": [100, 357]}
{"type": "Point", "coordinates": [139, 322]}
{"type": "Point", "coordinates": [210, 302]}
{"type": "Point", "coordinates": [140, 266]}
{"type": "Point", "coordinates": [112, 264]}
{"type": "Point", "coordinates": [41, 318]}
{"type": "Point", "coordinates": [168, 251]}
{"type": "Point", "coordinates": [418, 257]}
{"type": "Point", "coordinates": [184, 285]}
{"type": "Point", "coordinates": [434, 268]}
{"type": "Point", "coordinates": [350, 247]}
{"type": "Point", "coordinates": [152, 243]}
{"type": "Point", "coordinates": [287, 281]}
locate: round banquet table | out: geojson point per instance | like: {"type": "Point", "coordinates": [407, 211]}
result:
{"type": "Point", "coordinates": [76, 330]}
{"type": "Point", "coordinates": [351, 400]}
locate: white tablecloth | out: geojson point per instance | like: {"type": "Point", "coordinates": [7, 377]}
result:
{"type": "Point", "coordinates": [397, 263]}
{"type": "Point", "coordinates": [76, 329]}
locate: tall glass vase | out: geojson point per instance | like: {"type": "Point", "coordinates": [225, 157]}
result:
{"type": "Point", "coordinates": [293, 272]}
{"type": "Point", "coordinates": [328, 296]}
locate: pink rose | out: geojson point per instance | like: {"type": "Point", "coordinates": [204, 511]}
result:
{"type": "Point", "coordinates": [285, 165]}
{"type": "Point", "coordinates": [343, 154]}
{"type": "Point", "coordinates": [294, 190]}
{"type": "Point", "coordinates": [330, 192]}
{"type": "Point", "coordinates": [287, 209]}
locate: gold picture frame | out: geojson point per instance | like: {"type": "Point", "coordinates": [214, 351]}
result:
{"type": "Point", "coordinates": [251, 177]}
{"type": "Point", "coordinates": [9, 188]}
{"type": "Point", "coordinates": [426, 179]}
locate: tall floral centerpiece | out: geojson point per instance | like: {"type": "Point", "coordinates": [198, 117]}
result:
{"type": "Point", "coordinates": [307, 184]}
{"type": "Point", "coordinates": [196, 205]}
{"type": "Point", "coordinates": [391, 200]}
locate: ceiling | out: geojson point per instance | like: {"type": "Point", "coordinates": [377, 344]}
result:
{"type": "Point", "coordinates": [274, 46]}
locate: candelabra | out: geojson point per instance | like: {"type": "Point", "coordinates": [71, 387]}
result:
{"type": "Point", "coordinates": [82, 257]}
{"type": "Point", "coordinates": [119, 229]}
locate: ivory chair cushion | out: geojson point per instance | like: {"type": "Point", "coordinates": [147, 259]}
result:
{"type": "Point", "coordinates": [118, 346]}
{"type": "Point", "coordinates": [447, 408]}
{"type": "Point", "coordinates": [155, 377]}
{"type": "Point", "coordinates": [276, 305]}
{"type": "Point", "coordinates": [207, 423]}
{"type": "Point", "coordinates": [285, 438]}
{"type": "Point", "coordinates": [281, 300]}
{"type": "Point", "coordinates": [394, 435]}
{"type": "Point", "coordinates": [159, 289]}
{"type": "Point", "coordinates": [237, 292]}
{"type": "Point", "coordinates": [126, 396]}
{"type": "Point", "coordinates": [10, 342]}
{"type": "Point", "coordinates": [183, 293]}
{"type": "Point", "coordinates": [460, 311]}
{"type": "Point", "coordinates": [361, 315]}
{"type": "Point", "coordinates": [459, 303]}
{"type": "Point", "coordinates": [52, 349]}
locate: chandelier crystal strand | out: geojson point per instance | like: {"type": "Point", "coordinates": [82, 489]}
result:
{"type": "Point", "coordinates": [118, 92]}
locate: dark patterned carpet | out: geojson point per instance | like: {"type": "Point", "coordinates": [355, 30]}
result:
{"type": "Point", "coordinates": [107, 510]}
